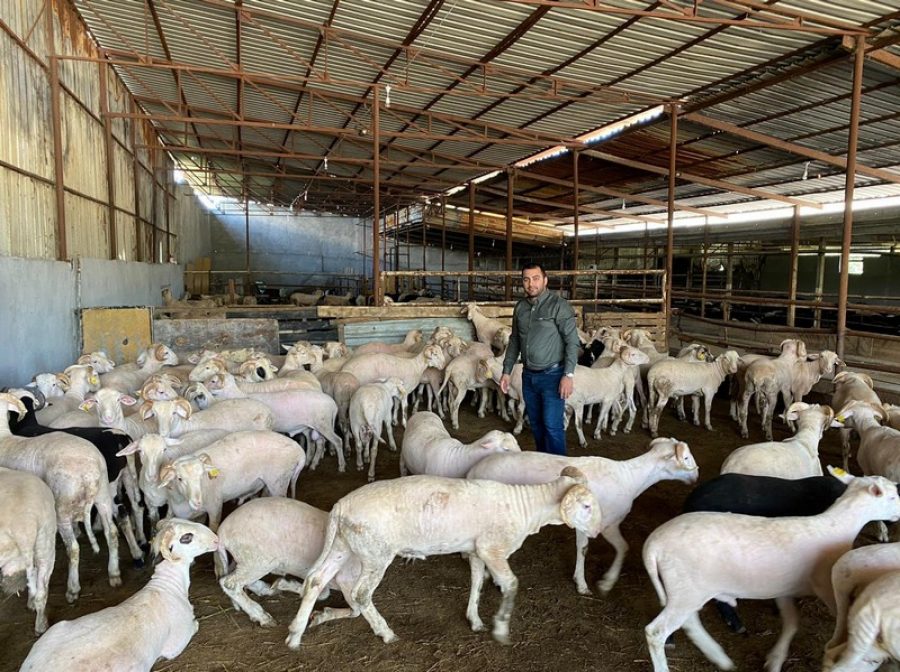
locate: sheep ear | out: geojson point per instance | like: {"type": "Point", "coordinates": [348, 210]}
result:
{"type": "Point", "coordinates": [875, 490]}
{"type": "Point", "coordinates": [183, 408]}
{"type": "Point", "coordinates": [681, 448]}
{"type": "Point", "coordinates": [130, 449]}
{"type": "Point", "coordinates": [160, 352]}
{"type": "Point", "coordinates": [166, 474]}
{"type": "Point", "coordinates": [195, 358]}
{"type": "Point", "coordinates": [146, 410]}
{"type": "Point", "coordinates": [87, 404]}
{"type": "Point", "coordinates": [840, 474]}
{"type": "Point", "coordinates": [127, 399]}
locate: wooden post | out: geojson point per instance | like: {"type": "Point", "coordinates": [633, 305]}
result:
{"type": "Point", "coordinates": [795, 265]}
{"type": "Point", "coordinates": [670, 214]}
{"type": "Point", "coordinates": [471, 239]}
{"type": "Point", "coordinates": [62, 252]}
{"type": "Point", "coordinates": [575, 193]}
{"type": "Point", "coordinates": [820, 283]}
{"type": "Point", "coordinates": [378, 287]}
{"type": "Point", "coordinates": [510, 188]}
{"type": "Point", "coordinates": [849, 185]}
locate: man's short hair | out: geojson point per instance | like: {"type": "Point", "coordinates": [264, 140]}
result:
{"type": "Point", "coordinates": [532, 265]}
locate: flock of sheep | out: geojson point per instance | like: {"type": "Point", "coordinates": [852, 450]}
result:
{"type": "Point", "coordinates": [229, 426]}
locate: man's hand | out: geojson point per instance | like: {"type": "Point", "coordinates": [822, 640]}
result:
{"type": "Point", "coordinates": [504, 383]}
{"type": "Point", "coordinates": [566, 385]}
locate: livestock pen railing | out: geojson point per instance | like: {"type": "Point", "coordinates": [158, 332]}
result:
{"type": "Point", "coordinates": [588, 287]}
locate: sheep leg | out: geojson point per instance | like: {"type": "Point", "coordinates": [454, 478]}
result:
{"type": "Point", "coordinates": [790, 619]}
{"type": "Point", "coordinates": [520, 418]}
{"type": "Point", "coordinates": [861, 651]}
{"type": "Point", "coordinates": [577, 410]}
{"type": "Point", "coordinates": [89, 529]}
{"type": "Point", "coordinates": [358, 440]}
{"type": "Point", "coordinates": [482, 402]}
{"type": "Point", "coordinates": [361, 599]}
{"type": "Point", "coordinates": [707, 400]}
{"type": "Point", "coordinates": [679, 411]}
{"type": "Point", "coordinates": [124, 523]}
{"type": "Point", "coordinates": [133, 492]}
{"type": "Point", "coordinates": [845, 448]}
{"type": "Point", "coordinates": [390, 434]}
{"type": "Point", "coordinates": [315, 583]}
{"type": "Point", "coordinates": [642, 398]}
{"type": "Point", "coordinates": [660, 629]}
{"type": "Point", "coordinates": [655, 412]}
{"type": "Point", "coordinates": [38, 592]}
{"type": "Point", "coordinates": [842, 593]}
{"type": "Point", "coordinates": [104, 512]}
{"type": "Point", "coordinates": [455, 403]}
{"type": "Point", "coordinates": [331, 614]}
{"type": "Point", "coordinates": [509, 585]}
{"type": "Point", "coordinates": [768, 411]}
{"type": "Point", "coordinates": [373, 455]}
{"type": "Point", "coordinates": [613, 535]}
{"type": "Point", "coordinates": [743, 410]}
{"type": "Point", "coordinates": [602, 418]}
{"type": "Point", "coordinates": [581, 547]}
{"type": "Point", "coordinates": [67, 532]}
{"type": "Point", "coordinates": [710, 648]}
{"type": "Point", "coordinates": [476, 568]}
{"type": "Point", "coordinates": [233, 586]}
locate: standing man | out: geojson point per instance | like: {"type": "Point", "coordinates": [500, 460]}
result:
{"type": "Point", "coordinates": [543, 331]}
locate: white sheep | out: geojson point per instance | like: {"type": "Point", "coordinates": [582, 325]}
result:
{"type": "Point", "coordinates": [873, 629]}
{"type": "Point", "coordinates": [428, 448]}
{"type": "Point", "coordinates": [418, 516]}
{"type": "Point", "coordinates": [791, 350]}
{"type": "Point", "coordinates": [370, 410]}
{"type": "Point", "coordinates": [175, 417]}
{"type": "Point", "coordinates": [293, 411]}
{"type": "Point", "coordinates": [411, 341]}
{"type": "Point", "coordinates": [78, 380]}
{"type": "Point", "coordinates": [155, 450]}
{"type": "Point", "coordinates": [852, 386]}
{"type": "Point", "coordinates": [301, 299]}
{"type": "Point", "coordinates": [855, 570]}
{"type": "Point", "coordinates": [280, 536]}
{"type": "Point", "coordinates": [27, 538]}
{"type": "Point", "coordinates": [492, 369]}
{"type": "Point", "coordinates": [76, 473]}
{"type": "Point", "coordinates": [793, 458]}
{"type": "Point", "coordinates": [156, 622]}
{"type": "Point", "coordinates": [767, 378]}
{"type": "Point", "coordinates": [615, 484]}
{"type": "Point", "coordinates": [672, 378]}
{"type": "Point", "coordinates": [236, 466]}
{"type": "Point", "coordinates": [129, 378]}
{"type": "Point", "coordinates": [51, 384]}
{"type": "Point", "coordinates": [99, 360]}
{"type": "Point", "coordinates": [696, 557]}
{"type": "Point", "coordinates": [460, 376]}
{"type": "Point", "coordinates": [488, 330]}
{"type": "Point", "coordinates": [606, 386]}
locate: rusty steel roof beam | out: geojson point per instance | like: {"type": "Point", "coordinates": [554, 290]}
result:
{"type": "Point", "coordinates": [799, 23]}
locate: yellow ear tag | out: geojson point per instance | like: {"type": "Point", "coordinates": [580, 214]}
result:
{"type": "Point", "coordinates": [213, 473]}
{"type": "Point", "coordinates": [840, 418]}
{"type": "Point", "coordinates": [94, 380]}
{"type": "Point", "coordinates": [837, 471]}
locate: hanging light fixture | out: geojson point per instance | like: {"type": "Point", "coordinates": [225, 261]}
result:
{"type": "Point", "coordinates": [387, 96]}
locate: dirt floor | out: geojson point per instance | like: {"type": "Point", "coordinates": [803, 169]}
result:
{"type": "Point", "coordinates": [553, 627]}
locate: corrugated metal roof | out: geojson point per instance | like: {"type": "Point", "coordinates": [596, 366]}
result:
{"type": "Point", "coordinates": [494, 61]}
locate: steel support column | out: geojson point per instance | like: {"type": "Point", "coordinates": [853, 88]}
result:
{"type": "Point", "coordinates": [443, 242]}
{"type": "Point", "coordinates": [377, 287]}
{"type": "Point", "coordinates": [795, 265]}
{"type": "Point", "coordinates": [510, 187]}
{"type": "Point", "coordinates": [820, 283]}
{"type": "Point", "coordinates": [140, 253]}
{"type": "Point", "coordinates": [112, 238]}
{"type": "Point", "coordinates": [670, 211]}
{"type": "Point", "coordinates": [471, 266]}
{"type": "Point", "coordinates": [729, 281]}
{"type": "Point", "coordinates": [575, 194]}
{"type": "Point", "coordinates": [850, 183]}
{"type": "Point", "coordinates": [62, 252]}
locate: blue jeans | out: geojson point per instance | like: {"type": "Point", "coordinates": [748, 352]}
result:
{"type": "Point", "coordinates": [545, 409]}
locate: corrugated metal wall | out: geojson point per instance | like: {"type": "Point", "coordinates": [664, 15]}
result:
{"type": "Point", "coordinates": [28, 213]}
